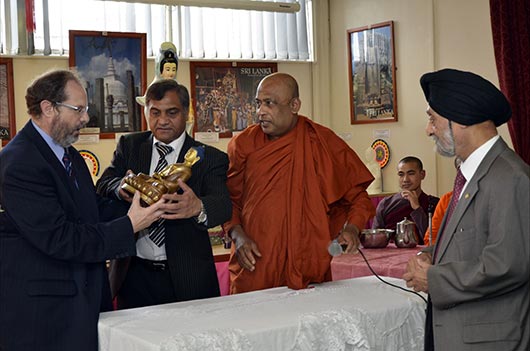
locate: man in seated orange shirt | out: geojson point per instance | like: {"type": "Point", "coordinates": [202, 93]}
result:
{"type": "Point", "coordinates": [295, 186]}
{"type": "Point", "coordinates": [437, 217]}
{"type": "Point", "coordinates": [439, 212]}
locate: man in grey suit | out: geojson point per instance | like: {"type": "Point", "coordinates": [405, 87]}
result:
{"type": "Point", "coordinates": [174, 261]}
{"type": "Point", "coordinates": [477, 275]}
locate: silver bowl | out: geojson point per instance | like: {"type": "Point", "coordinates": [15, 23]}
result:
{"type": "Point", "coordinates": [375, 238]}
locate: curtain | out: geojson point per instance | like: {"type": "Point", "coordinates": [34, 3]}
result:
{"type": "Point", "coordinates": [510, 23]}
{"type": "Point", "coordinates": [197, 32]}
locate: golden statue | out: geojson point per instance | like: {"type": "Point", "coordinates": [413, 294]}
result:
{"type": "Point", "coordinates": [163, 182]}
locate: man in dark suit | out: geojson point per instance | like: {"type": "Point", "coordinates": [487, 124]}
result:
{"type": "Point", "coordinates": [477, 274]}
{"type": "Point", "coordinates": [180, 266]}
{"type": "Point", "coordinates": [53, 243]}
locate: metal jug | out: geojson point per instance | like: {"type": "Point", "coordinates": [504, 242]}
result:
{"type": "Point", "coordinates": [406, 234]}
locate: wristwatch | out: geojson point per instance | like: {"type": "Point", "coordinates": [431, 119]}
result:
{"type": "Point", "coordinates": [201, 217]}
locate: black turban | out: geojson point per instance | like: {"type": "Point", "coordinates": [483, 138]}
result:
{"type": "Point", "coordinates": [464, 97]}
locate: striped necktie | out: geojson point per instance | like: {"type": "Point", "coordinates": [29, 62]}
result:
{"type": "Point", "coordinates": [67, 161]}
{"type": "Point", "coordinates": [157, 232]}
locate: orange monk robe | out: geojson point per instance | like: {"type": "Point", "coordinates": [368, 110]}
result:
{"type": "Point", "coordinates": [292, 196]}
{"type": "Point", "coordinates": [437, 217]}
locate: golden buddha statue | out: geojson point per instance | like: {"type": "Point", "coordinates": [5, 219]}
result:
{"type": "Point", "coordinates": [163, 182]}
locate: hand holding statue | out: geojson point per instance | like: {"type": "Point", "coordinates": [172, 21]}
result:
{"type": "Point", "coordinates": [152, 188]}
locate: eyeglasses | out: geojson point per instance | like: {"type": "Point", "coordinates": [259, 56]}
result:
{"type": "Point", "coordinates": [77, 109]}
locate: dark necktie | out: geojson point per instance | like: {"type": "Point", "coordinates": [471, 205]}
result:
{"type": "Point", "coordinates": [67, 161]}
{"type": "Point", "coordinates": [157, 232]}
{"type": "Point", "coordinates": [460, 181]}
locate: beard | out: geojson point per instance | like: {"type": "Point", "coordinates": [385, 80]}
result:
{"type": "Point", "coordinates": [445, 145]}
{"type": "Point", "coordinates": [62, 133]}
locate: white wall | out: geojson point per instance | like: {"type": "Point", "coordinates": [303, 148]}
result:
{"type": "Point", "coordinates": [463, 39]}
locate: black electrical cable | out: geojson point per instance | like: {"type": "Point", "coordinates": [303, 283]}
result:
{"type": "Point", "coordinates": [378, 277]}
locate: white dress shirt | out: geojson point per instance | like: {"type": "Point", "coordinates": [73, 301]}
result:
{"type": "Point", "coordinates": [470, 165]}
{"type": "Point", "coordinates": [145, 248]}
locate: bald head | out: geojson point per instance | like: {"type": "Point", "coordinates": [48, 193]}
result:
{"type": "Point", "coordinates": [285, 81]}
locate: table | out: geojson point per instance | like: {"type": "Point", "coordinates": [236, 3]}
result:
{"type": "Point", "coordinates": [223, 276]}
{"type": "Point", "coordinates": [220, 254]}
{"type": "Point", "coordinates": [390, 261]}
{"type": "Point", "coordinates": [354, 314]}
{"type": "Point", "coordinates": [221, 257]}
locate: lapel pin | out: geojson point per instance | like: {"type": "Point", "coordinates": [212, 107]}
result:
{"type": "Point", "coordinates": [466, 195]}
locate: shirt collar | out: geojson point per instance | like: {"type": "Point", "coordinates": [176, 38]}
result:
{"type": "Point", "coordinates": [57, 149]}
{"type": "Point", "coordinates": [175, 144]}
{"type": "Point", "coordinates": [470, 165]}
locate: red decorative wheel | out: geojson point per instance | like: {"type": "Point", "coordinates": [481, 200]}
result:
{"type": "Point", "coordinates": [91, 160]}
{"type": "Point", "coordinates": [382, 152]}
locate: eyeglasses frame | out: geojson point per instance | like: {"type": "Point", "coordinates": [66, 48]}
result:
{"type": "Point", "coordinates": [77, 109]}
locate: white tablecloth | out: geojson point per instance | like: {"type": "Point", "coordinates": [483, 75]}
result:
{"type": "Point", "coordinates": [353, 314]}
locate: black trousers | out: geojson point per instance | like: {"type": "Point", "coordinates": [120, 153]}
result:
{"type": "Point", "coordinates": [145, 285]}
{"type": "Point", "coordinates": [428, 344]}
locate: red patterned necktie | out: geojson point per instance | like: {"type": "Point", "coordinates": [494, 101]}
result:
{"type": "Point", "coordinates": [67, 161]}
{"type": "Point", "coordinates": [460, 181]}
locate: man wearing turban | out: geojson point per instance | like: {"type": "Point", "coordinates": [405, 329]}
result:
{"type": "Point", "coordinates": [477, 273]}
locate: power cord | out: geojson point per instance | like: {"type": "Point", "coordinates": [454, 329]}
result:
{"type": "Point", "coordinates": [394, 285]}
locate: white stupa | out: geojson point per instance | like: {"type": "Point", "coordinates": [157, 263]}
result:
{"type": "Point", "coordinates": [113, 86]}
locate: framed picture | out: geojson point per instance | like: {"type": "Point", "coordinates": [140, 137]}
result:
{"type": "Point", "coordinates": [7, 101]}
{"type": "Point", "coordinates": [372, 74]}
{"type": "Point", "coordinates": [223, 95]}
{"type": "Point", "coordinates": [112, 66]}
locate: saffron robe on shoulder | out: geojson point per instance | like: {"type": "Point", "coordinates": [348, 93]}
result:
{"type": "Point", "coordinates": [292, 196]}
{"type": "Point", "coordinates": [437, 217]}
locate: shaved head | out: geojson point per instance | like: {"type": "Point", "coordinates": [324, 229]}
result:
{"type": "Point", "coordinates": [285, 80]}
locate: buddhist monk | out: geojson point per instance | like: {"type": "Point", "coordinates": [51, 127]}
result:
{"type": "Point", "coordinates": [295, 186]}
{"type": "Point", "coordinates": [410, 202]}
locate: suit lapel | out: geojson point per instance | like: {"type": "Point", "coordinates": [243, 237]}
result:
{"type": "Point", "coordinates": [46, 152]}
{"type": "Point", "coordinates": [84, 194]}
{"type": "Point", "coordinates": [449, 228]}
{"type": "Point", "coordinates": [83, 197]}
{"type": "Point", "coordinates": [188, 142]}
{"type": "Point", "coordinates": [144, 157]}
